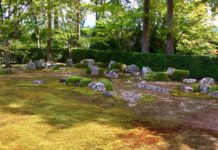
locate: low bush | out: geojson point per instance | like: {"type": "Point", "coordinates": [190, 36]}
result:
{"type": "Point", "coordinates": [213, 88]}
{"type": "Point", "coordinates": [196, 87]}
{"type": "Point", "coordinates": [84, 82]}
{"type": "Point", "coordinates": [73, 80]}
{"type": "Point", "coordinates": [161, 76]}
{"type": "Point", "coordinates": [88, 71]}
{"type": "Point", "coordinates": [102, 64]}
{"type": "Point", "coordinates": [156, 76]}
{"type": "Point", "coordinates": [119, 66]}
{"type": "Point", "coordinates": [80, 66]}
{"type": "Point", "coordinates": [179, 75]}
{"type": "Point", "coordinates": [107, 83]}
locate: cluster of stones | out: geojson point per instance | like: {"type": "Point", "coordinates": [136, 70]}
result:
{"type": "Point", "coordinates": [100, 87]}
{"type": "Point", "coordinates": [39, 64]}
{"type": "Point", "coordinates": [145, 86]}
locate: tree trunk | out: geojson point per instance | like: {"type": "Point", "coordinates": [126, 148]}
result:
{"type": "Point", "coordinates": [56, 15]}
{"type": "Point", "coordinates": [49, 40]}
{"type": "Point", "coordinates": [78, 20]}
{"type": "Point", "coordinates": [170, 41]}
{"type": "Point", "coordinates": [145, 33]}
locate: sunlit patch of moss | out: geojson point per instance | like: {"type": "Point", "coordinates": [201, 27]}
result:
{"type": "Point", "coordinates": [147, 99]}
{"type": "Point", "coordinates": [198, 95]}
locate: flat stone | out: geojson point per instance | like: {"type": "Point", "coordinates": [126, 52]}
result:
{"type": "Point", "coordinates": [39, 82]}
{"type": "Point", "coordinates": [189, 80]}
{"type": "Point", "coordinates": [131, 97]}
{"type": "Point", "coordinates": [144, 86]}
{"type": "Point", "coordinates": [187, 88]}
{"type": "Point", "coordinates": [98, 86]}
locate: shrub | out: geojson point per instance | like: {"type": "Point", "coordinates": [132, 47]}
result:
{"type": "Point", "coordinates": [107, 83]}
{"type": "Point", "coordinates": [196, 87]}
{"type": "Point", "coordinates": [79, 65]}
{"type": "Point", "coordinates": [84, 82]}
{"type": "Point", "coordinates": [118, 66]}
{"type": "Point", "coordinates": [102, 64]}
{"type": "Point", "coordinates": [156, 76]}
{"type": "Point", "coordinates": [213, 88]}
{"type": "Point", "coordinates": [178, 75]}
{"type": "Point", "coordinates": [3, 72]}
{"type": "Point", "coordinates": [161, 76]}
{"type": "Point", "coordinates": [73, 80]}
{"type": "Point", "coordinates": [101, 71]}
{"type": "Point", "coordinates": [88, 71]}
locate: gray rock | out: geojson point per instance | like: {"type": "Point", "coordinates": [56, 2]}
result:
{"type": "Point", "coordinates": [146, 70]}
{"type": "Point", "coordinates": [170, 71]}
{"type": "Point", "coordinates": [189, 80]}
{"type": "Point", "coordinates": [40, 64]}
{"type": "Point", "coordinates": [214, 94]}
{"type": "Point", "coordinates": [112, 62]}
{"type": "Point", "coordinates": [49, 64]}
{"type": "Point", "coordinates": [39, 82]}
{"type": "Point", "coordinates": [94, 70]}
{"type": "Point", "coordinates": [187, 88]}
{"type": "Point", "coordinates": [107, 94]}
{"type": "Point", "coordinates": [31, 65]}
{"type": "Point", "coordinates": [145, 86]}
{"type": "Point", "coordinates": [98, 86]}
{"type": "Point", "coordinates": [112, 74]}
{"type": "Point", "coordinates": [131, 97]}
{"type": "Point", "coordinates": [88, 62]}
{"type": "Point", "coordinates": [205, 83]}
{"type": "Point", "coordinates": [132, 69]}
{"type": "Point", "coordinates": [69, 62]}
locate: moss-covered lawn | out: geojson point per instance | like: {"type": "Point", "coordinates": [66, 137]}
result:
{"type": "Point", "coordinates": [58, 117]}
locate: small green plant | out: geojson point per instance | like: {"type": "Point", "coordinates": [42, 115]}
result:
{"type": "Point", "coordinates": [150, 76]}
{"type": "Point", "coordinates": [107, 83]}
{"type": "Point", "coordinates": [196, 87]}
{"type": "Point", "coordinates": [102, 65]}
{"type": "Point", "coordinates": [179, 75]}
{"type": "Point", "coordinates": [213, 88]}
{"type": "Point", "coordinates": [84, 82]}
{"type": "Point", "coordinates": [3, 72]}
{"type": "Point", "coordinates": [73, 80]}
{"type": "Point", "coordinates": [80, 66]}
{"type": "Point", "coordinates": [161, 76]}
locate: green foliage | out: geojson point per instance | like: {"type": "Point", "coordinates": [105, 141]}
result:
{"type": "Point", "coordinates": [101, 71]}
{"type": "Point", "coordinates": [3, 72]}
{"type": "Point", "coordinates": [88, 71]}
{"type": "Point", "coordinates": [107, 83]}
{"type": "Point", "coordinates": [80, 66]}
{"type": "Point", "coordinates": [150, 76]}
{"type": "Point", "coordinates": [84, 82]}
{"type": "Point", "coordinates": [178, 75]}
{"type": "Point", "coordinates": [161, 76]}
{"type": "Point", "coordinates": [119, 66]}
{"type": "Point", "coordinates": [196, 87]}
{"type": "Point", "coordinates": [102, 64]}
{"type": "Point", "coordinates": [147, 99]}
{"type": "Point", "coordinates": [73, 80]}
{"type": "Point", "coordinates": [213, 88]}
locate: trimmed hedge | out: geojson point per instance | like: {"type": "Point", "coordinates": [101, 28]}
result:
{"type": "Point", "coordinates": [179, 75]}
{"type": "Point", "coordinates": [84, 82]}
{"type": "Point", "coordinates": [199, 66]}
{"type": "Point", "coordinates": [107, 83]}
{"type": "Point", "coordinates": [73, 80]}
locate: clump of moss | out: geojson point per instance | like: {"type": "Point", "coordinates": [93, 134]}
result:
{"type": "Point", "coordinates": [107, 83]}
{"type": "Point", "coordinates": [213, 88]}
{"type": "Point", "coordinates": [179, 75]}
{"type": "Point", "coordinates": [84, 82]}
{"type": "Point", "coordinates": [73, 80]}
{"type": "Point", "coordinates": [147, 99]}
{"type": "Point", "coordinates": [157, 76]}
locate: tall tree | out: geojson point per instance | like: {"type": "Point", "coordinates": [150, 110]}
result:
{"type": "Point", "coordinates": [145, 33]}
{"type": "Point", "coordinates": [49, 34]}
{"type": "Point", "coordinates": [170, 40]}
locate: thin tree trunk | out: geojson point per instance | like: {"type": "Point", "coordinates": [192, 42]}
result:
{"type": "Point", "coordinates": [170, 41]}
{"type": "Point", "coordinates": [78, 21]}
{"type": "Point", "coordinates": [56, 15]}
{"type": "Point", "coordinates": [145, 33]}
{"type": "Point", "coordinates": [49, 40]}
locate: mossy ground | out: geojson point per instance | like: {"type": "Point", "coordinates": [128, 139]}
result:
{"type": "Point", "coordinates": [58, 117]}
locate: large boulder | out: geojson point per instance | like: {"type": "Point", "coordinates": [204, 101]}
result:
{"type": "Point", "coordinates": [88, 62]}
{"type": "Point", "coordinates": [112, 62]}
{"type": "Point", "coordinates": [132, 69]}
{"type": "Point", "coordinates": [170, 71]}
{"type": "Point", "coordinates": [31, 65]}
{"type": "Point", "coordinates": [94, 70]}
{"type": "Point", "coordinates": [112, 74]}
{"type": "Point", "coordinates": [146, 70]}
{"type": "Point", "coordinates": [98, 86]}
{"type": "Point", "coordinates": [40, 64]}
{"type": "Point", "coordinates": [205, 83]}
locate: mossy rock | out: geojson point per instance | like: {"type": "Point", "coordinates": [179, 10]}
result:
{"type": "Point", "coordinates": [84, 82]}
{"type": "Point", "coordinates": [107, 83]}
